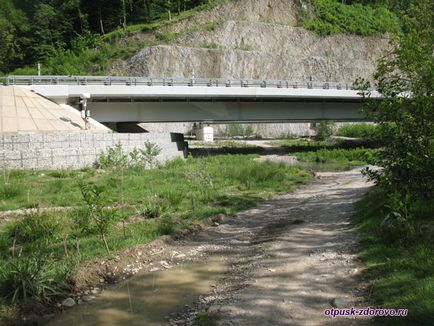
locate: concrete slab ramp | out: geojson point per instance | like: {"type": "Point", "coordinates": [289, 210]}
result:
{"type": "Point", "coordinates": [22, 110]}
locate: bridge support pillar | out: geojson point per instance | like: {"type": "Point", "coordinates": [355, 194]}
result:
{"type": "Point", "coordinates": [205, 133]}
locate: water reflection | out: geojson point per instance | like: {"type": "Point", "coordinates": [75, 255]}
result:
{"type": "Point", "coordinates": [147, 299]}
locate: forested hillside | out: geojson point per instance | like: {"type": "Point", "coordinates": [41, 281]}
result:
{"type": "Point", "coordinates": [35, 30]}
{"type": "Point", "coordinates": [79, 36]}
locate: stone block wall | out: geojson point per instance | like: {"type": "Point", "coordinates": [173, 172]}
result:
{"type": "Point", "coordinates": [76, 149]}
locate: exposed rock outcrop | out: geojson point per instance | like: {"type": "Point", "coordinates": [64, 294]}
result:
{"type": "Point", "coordinates": [256, 39]}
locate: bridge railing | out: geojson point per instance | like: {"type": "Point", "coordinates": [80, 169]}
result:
{"type": "Point", "coordinates": [170, 82]}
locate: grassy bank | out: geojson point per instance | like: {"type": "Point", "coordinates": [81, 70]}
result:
{"type": "Point", "coordinates": [400, 269]}
{"type": "Point", "coordinates": [337, 159]}
{"type": "Point", "coordinates": [39, 252]}
{"type": "Point", "coordinates": [96, 54]}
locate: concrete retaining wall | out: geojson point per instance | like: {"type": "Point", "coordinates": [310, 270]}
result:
{"type": "Point", "coordinates": [76, 150]}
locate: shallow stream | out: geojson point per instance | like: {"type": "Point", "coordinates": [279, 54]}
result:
{"type": "Point", "coordinates": [147, 299]}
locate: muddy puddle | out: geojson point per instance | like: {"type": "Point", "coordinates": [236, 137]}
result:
{"type": "Point", "coordinates": [147, 299]}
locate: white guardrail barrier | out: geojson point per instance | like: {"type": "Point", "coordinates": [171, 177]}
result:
{"type": "Point", "coordinates": [170, 82]}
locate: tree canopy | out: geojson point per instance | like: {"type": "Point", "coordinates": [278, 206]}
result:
{"type": "Point", "coordinates": [35, 30]}
{"type": "Point", "coordinates": [405, 79]}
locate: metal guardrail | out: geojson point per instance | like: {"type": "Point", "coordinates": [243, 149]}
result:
{"type": "Point", "coordinates": [170, 82]}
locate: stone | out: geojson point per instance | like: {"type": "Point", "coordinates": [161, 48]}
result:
{"type": "Point", "coordinates": [95, 290]}
{"type": "Point", "coordinates": [340, 303]}
{"type": "Point", "coordinates": [87, 298]}
{"type": "Point", "coordinates": [214, 309]}
{"type": "Point", "coordinates": [68, 302]}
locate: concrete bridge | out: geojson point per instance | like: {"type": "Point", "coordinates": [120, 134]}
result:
{"type": "Point", "coordinates": [137, 99]}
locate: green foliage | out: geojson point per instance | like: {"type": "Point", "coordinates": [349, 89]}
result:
{"type": "Point", "coordinates": [64, 35]}
{"type": "Point", "coordinates": [149, 153]}
{"type": "Point", "coordinates": [398, 268]}
{"type": "Point", "coordinates": [166, 225]}
{"type": "Point", "coordinates": [101, 216]}
{"type": "Point", "coordinates": [216, 184]}
{"type": "Point", "coordinates": [155, 207]}
{"type": "Point", "coordinates": [324, 130]}
{"type": "Point", "coordinates": [34, 227]}
{"type": "Point", "coordinates": [10, 190]}
{"type": "Point", "coordinates": [209, 26]}
{"type": "Point", "coordinates": [332, 17]}
{"type": "Point", "coordinates": [166, 37]}
{"type": "Point", "coordinates": [234, 130]}
{"type": "Point", "coordinates": [81, 222]}
{"type": "Point", "coordinates": [33, 278]}
{"type": "Point", "coordinates": [61, 174]}
{"type": "Point", "coordinates": [405, 115]}
{"type": "Point", "coordinates": [210, 45]}
{"type": "Point", "coordinates": [117, 159]}
{"type": "Point", "coordinates": [288, 135]}
{"type": "Point", "coordinates": [359, 130]}
{"type": "Point", "coordinates": [358, 156]}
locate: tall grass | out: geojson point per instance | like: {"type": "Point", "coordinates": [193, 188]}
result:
{"type": "Point", "coordinates": [352, 157]}
{"type": "Point", "coordinates": [148, 203]}
{"type": "Point", "coordinates": [359, 130]}
{"type": "Point", "coordinates": [399, 270]}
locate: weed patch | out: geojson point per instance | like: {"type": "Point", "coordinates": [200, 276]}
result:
{"type": "Point", "coordinates": [400, 270]}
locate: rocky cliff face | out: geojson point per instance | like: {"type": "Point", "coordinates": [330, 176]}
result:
{"type": "Point", "coordinates": [256, 39]}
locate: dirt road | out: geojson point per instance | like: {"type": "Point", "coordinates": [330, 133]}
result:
{"type": "Point", "coordinates": [291, 258]}
{"type": "Point", "coordinates": [286, 261]}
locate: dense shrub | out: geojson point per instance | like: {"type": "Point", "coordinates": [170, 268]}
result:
{"type": "Point", "coordinates": [332, 17]}
{"type": "Point", "coordinates": [359, 130]}
{"type": "Point", "coordinates": [324, 130]}
{"type": "Point", "coordinates": [34, 227]}
{"type": "Point", "coordinates": [36, 278]}
{"type": "Point", "coordinates": [10, 190]}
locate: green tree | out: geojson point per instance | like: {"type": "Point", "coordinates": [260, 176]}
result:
{"type": "Point", "coordinates": [406, 112]}
{"type": "Point", "coordinates": [13, 23]}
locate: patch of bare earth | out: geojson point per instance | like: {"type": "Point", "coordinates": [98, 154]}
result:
{"type": "Point", "coordinates": [291, 258]}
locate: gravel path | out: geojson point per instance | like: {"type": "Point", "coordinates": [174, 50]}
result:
{"type": "Point", "coordinates": [290, 258]}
